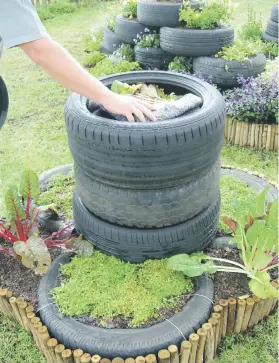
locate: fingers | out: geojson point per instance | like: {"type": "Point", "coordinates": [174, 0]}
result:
{"type": "Point", "coordinates": [129, 116]}
{"type": "Point", "coordinates": [147, 105]}
{"type": "Point", "coordinates": [147, 112]}
{"type": "Point", "coordinates": [137, 112]}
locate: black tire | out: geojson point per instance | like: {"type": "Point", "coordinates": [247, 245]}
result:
{"type": "Point", "coordinates": [110, 42]}
{"type": "Point", "coordinates": [151, 154]}
{"type": "Point", "coordinates": [4, 102]}
{"type": "Point", "coordinates": [137, 245]}
{"type": "Point", "coordinates": [195, 42]}
{"type": "Point", "coordinates": [128, 29]}
{"type": "Point", "coordinates": [274, 13]}
{"type": "Point", "coordinates": [227, 77]}
{"type": "Point", "coordinates": [153, 57]}
{"type": "Point", "coordinates": [123, 343]}
{"type": "Point", "coordinates": [151, 208]}
{"type": "Point", "coordinates": [272, 28]}
{"type": "Point", "coordinates": [269, 38]}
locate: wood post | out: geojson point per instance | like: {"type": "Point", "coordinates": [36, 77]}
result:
{"type": "Point", "coordinates": [231, 315]}
{"type": "Point", "coordinates": [164, 356]}
{"type": "Point", "coordinates": [67, 356]}
{"type": "Point", "coordinates": [58, 351]}
{"type": "Point", "coordinates": [150, 358]}
{"type": "Point", "coordinates": [200, 351]}
{"type": "Point", "coordinates": [51, 344]}
{"type": "Point", "coordinates": [254, 315]}
{"type": "Point", "coordinates": [106, 360]}
{"type": "Point", "coordinates": [216, 316]}
{"type": "Point", "coordinates": [237, 133]}
{"type": "Point", "coordinates": [219, 309]}
{"type": "Point", "coordinates": [43, 336]}
{"type": "Point", "coordinates": [247, 315]}
{"type": "Point", "coordinates": [140, 359]}
{"type": "Point", "coordinates": [22, 310]}
{"type": "Point", "coordinates": [15, 310]}
{"type": "Point", "coordinates": [224, 303]}
{"type": "Point", "coordinates": [78, 354]}
{"type": "Point", "coordinates": [5, 306]}
{"type": "Point", "coordinates": [241, 304]}
{"type": "Point", "coordinates": [185, 350]}
{"type": "Point", "coordinates": [118, 360]}
{"type": "Point", "coordinates": [131, 360]}
{"type": "Point", "coordinates": [194, 340]}
{"type": "Point", "coordinates": [261, 310]}
{"type": "Point", "coordinates": [86, 358]}
{"type": "Point", "coordinates": [173, 354]}
{"type": "Point", "coordinates": [209, 343]}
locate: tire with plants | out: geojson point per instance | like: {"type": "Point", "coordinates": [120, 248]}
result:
{"type": "Point", "coordinates": [153, 57]}
{"type": "Point", "coordinates": [122, 342]}
{"type": "Point", "coordinates": [274, 13]}
{"type": "Point", "coordinates": [155, 13]}
{"type": "Point", "coordinates": [137, 245]}
{"type": "Point", "coordinates": [272, 28]}
{"type": "Point", "coordinates": [269, 38]}
{"type": "Point", "coordinates": [148, 208]}
{"type": "Point", "coordinates": [151, 154]}
{"type": "Point", "coordinates": [110, 42]}
{"type": "Point", "coordinates": [195, 42]}
{"type": "Point", "coordinates": [128, 29]}
{"type": "Point", "coordinates": [224, 73]}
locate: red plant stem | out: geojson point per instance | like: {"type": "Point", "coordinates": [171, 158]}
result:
{"type": "Point", "coordinates": [19, 225]}
{"type": "Point", "coordinates": [35, 220]}
{"type": "Point", "coordinates": [273, 261]}
{"type": "Point", "coordinates": [6, 234]}
{"type": "Point", "coordinates": [5, 251]}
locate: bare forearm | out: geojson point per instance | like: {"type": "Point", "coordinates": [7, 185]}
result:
{"type": "Point", "coordinates": [61, 66]}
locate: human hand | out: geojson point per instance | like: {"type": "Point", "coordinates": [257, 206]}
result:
{"type": "Point", "coordinates": [129, 107]}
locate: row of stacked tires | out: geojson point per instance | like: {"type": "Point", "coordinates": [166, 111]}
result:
{"type": "Point", "coordinates": [271, 31]}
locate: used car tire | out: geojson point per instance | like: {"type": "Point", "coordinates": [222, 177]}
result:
{"type": "Point", "coordinates": [110, 42]}
{"type": "Point", "coordinates": [128, 29]}
{"type": "Point", "coordinates": [136, 245]}
{"type": "Point", "coordinates": [150, 154]}
{"type": "Point", "coordinates": [269, 38]}
{"type": "Point", "coordinates": [153, 57]}
{"type": "Point", "coordinates": [148, 208]}
{"type": "Point", "coordinates": [160, 14]}
{"type": "Point", "coordinates": [195, 42]}
{"type": "Point", "coordinates": [274, 13]}
{"type": "Point", "coordinates": [124, 343]}
{"type": "Point", "coordinates": [272, 28]}
{"type": "Point", "coordinates": [4, 98]}
{"type": "Point", "coordinates": [227, 77]}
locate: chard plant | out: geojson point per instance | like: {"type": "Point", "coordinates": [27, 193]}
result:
{"type": "Point", "coordinates": [256, 236]}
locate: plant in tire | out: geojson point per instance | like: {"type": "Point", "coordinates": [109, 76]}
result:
{"type": "Point", "coordinates": [209, 17]}
{"type": "Point", "coordinates": [148, 40]}
{"type": "Point", "coordinates": [256, 236]}
{"type": "Point", "coordinates": [130, 9]}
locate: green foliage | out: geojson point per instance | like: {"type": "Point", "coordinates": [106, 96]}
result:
{"type": "Point", "coordinates": [49, 11]}
{"type": "Point", "coordinates": [208, 17]}
{"type": "Point", "coordinates": [17, 346]}
{"type": "Point", "coordinates": [270, 49]}
{"type": "Point", "coordinates": [125, 88]}
{"type": "Point", "coordinates": [130, 9]}
{"type": "Point", "coordinates": [111, 23]}
{"type": "Point", "coordinates": [91, 59]}
{"type": "Point", "coordinates": [105, 287]}
{"type": "Point", "coordinates": [240, 50]}
{"type": "Point", "coordinates": [181, 64]}
{"type": "Point", "coordinates": [44, 13]}
{"type": "Point", "coordinates": [191, 265]}
{"type": "Point", "coordinates": [30, 185]}
{"type": "Point", "coordinates": [125, 52]}
{"type": "Point", "coordinates": [110, 66]}
{"type": "Point", "coordinates": [231, 189]}
{"type": "Point", "coordinates": [92, 42]}
{"type": "Point", "coordinates": [252, 30]}
{"type": "Point", "coordinates": [148, 40]}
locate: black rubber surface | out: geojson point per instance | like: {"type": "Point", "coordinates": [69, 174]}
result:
{"type": "Point", "coordinates": [153, 57]}
{"type": "Point", "coordinates": [195, 42]}
{"type": "Point", "coordinates": [122, 342]}
{"type": "Point", "coordinates": [269, 38]}
{"type": "Point", "coordinates": [161, 13]}
{"type": "Point", "coordinates": [272, 28]}
{"type": "Point", "coordinates": [274, 13]}
{"type": "Point", "coordinates": [151, 154]}
{"type": "Point", "coordinates": [127, 29]}
{"type": "Point", "coordinates": [110, 42]}
{"type": "Point", "coordinates": [148, 208]}
{"type": "Point", "coordinates": [216, 67]}
{"type": "Point", "coordinates": [137, 245]}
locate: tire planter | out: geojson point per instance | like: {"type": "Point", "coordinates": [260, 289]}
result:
{"type": "Point", "coordinates": [4, 98]}
{"type": "Point", "coordinates": [152, 154]}
{"type": "Point", "coordinates": [161, 14]}
{"type": "Point", "coordinates": [153, 57]}
{"type": "Point", "coordinates": [195, 42]}
{"type": "Point", "coordinates": [216, 68]}
{"type": "Point", "coordinates": [128, 29]}
{"type": "Point", "coordinates": [122, 342]}
{"type": "Point", "coordinates": [274, 13]}
{"type": "Point", "coordinates": [110, 42]}
{"type": "Point", "coordinates": [269, 38]}
{"type": "Point", "coordinates": [148, 208]}
{"type": "Point", "coordinates": [136, 245]}
{"type": "Point", "coordinates": [272, 28]}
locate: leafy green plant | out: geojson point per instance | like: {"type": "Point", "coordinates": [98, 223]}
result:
{"type": "Point", "coordinates": [49, 11]}
{"type": "Point", "coordinates": [130, 9]}
{"type": "Point", "coordinates": [92, 42]}
{"type": "Point", "coordinates": [181, 64]}
{"type": "Point", "coordinates": [111, 23]}
{"type": "Point", "coordinates": [240, 50]}
{"type": "Point", "coordinates": [251, 30]}
{"type": "Point", "coordinates": [256, 236]}
{"type": "Point", "coordinates": [91, 59]}
{"type": "Point", "coordinates": [125, 52]}
{"type": "Point", "coordinates": [115, 288]}
{"type": "Point", "coordinates": [110, 66]}
{"type": "Point", "coordinates": [270, 49]}
{"type": "Point", "coordinates": [208, 17]}
{"type": "Point", "coordinates": [148, 40]}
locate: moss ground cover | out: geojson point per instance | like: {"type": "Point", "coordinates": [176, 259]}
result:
{"type": "Point", "coordinates": [110, 287]}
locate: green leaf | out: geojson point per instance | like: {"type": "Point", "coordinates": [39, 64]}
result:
{"type": "Point", "coordinates": [14, 204]}
{"type": "Point", "coordinates": [81, 246]}
{"type": "Point", "coordinates": [262, 289]}
{"type": "Point", "coordinates": [29, 185]}
{"type": "Point", "coordinates": [191, 266]}
{"type": "Point", "coordinates": [261, 259]}
{"type": "Point", "coordinates": [273, 212]}
{"type": "Point", "coordinates": [124, 88]}
{"type": "Point", "coordinates": [258, 208]}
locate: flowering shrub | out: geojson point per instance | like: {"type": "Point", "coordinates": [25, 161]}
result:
{"type": "Point", "coordinates": [125, 52]}
{"type": "Point", "coordinates": [254, 101]}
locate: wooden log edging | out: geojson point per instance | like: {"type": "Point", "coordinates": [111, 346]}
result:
{"type": "Point", "coordinates": [228, 316]}
{"type": "Point", "coordinates": [259, 136]}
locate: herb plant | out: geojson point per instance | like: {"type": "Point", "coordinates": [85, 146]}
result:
{"type": "Point", "coordinates": [254, 101]}
{"type": "Point", "coordinates": [130, 9]}
{"type": "Point", "coordinates": [256, 236]}
{"type": "Point", "coordinates": [180, 64]}
{"type": "Point", "coordinates": [113, 65]}
{"type": "Point", "coordinates": [240, 50]}
{"type": "Point", "coordinates": [125, 52]}
{"type": "Point", "coordinates": [251, 30]}
{"type": "Point", "coordinates": [92, 58]}
{"type": "Point", "coordinates": [111, 24]}
{"type": "Point", "coordinates": [92, 41]}
{"type": "Point", "coordinates": [148, 40]}
{"type": "Point", "coordinates": [209, 17]}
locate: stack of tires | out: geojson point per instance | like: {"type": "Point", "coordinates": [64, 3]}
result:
{"type": "Point", "coordinates": [147, 190]}
{"type": "Point", "coordinates": [271, 32]}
